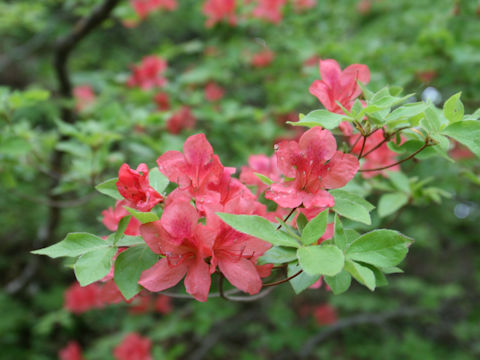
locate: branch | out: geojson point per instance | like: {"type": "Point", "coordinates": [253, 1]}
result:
{"type": "Point", "coordinates": [387, 138]}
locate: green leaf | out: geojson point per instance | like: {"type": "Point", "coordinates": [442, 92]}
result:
{"type": "Point", "coordinates": [406, 111]}
{"type": "Point", "coordinates": [301, 222]}
{"type": "Point", "coordinates": [109, 188]}
{"type": "Point", "coordinates": [389, 203]}
{"type": "Point", "coordinates": [315, 228]}
{"type": "Point", "coordinates": [466, 132]}
{"type": "Point", "coordinates": [143, 217]}
{"type": "Point", "coordinates": [361, 273]}
{"type": "Point", "coordinates": [157, 180]}
{"type": "Point", "coordinates": [339, 235]}
{"type": "Point", "coordinates": [73, 245]}
{"type": "Point", "coordinates": [321, 259]}
{"type": "Point", "coordinates": [122, 225]}
{"type": "Point", "coordinates": [258, 227]}
{"type": "Point", "coordinates": [129, 265]}
{"type": "Point", "coordinates": [127, 240]}
{"type": "Point", "coordinates": [265, 179]}
{"type": "Point", "coordinates": [352, 206]}
{"type": "Point", "coordinates": [381, 248]}
{"type": "Point", "coordinates": [94, 265]}
{"type": "Point", "coordinates": [278, 255]}
{"type": "Point", "coordinates": [301, 282]}
{"type": "Point", "coordinates": [400, 181]}
{"type": "Point", "coordinates": [323, 118]}
{"type": "Point", "coordinates": [431, 122]}
{"type": "Point", "coordinates": [380, 278]}
{"type": "Point", "coordinates": [340, 282]}
{"type": "Point", "coordinates": [453, 108]}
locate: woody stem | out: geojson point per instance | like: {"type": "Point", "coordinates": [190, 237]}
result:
{"type": "Point", "coordinates": [387, 138]}
{"type": "Point", "coordinates": [283, 280]}
{"type": "Point", "coordinates": [287, 217]}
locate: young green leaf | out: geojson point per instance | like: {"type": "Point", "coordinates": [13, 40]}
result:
{"type": "Point", "coordinates": [453, 108]}
{"type": "Point", "coordinates": [127, 240]}
{"type": "Point", "coordinates": [352, 206]}
{"type": "Point", "coordinates": [278, 255]}
{"type": "Point", "coordinates": [323, 118]}
{"type": "Point", "coordinates": [129, 265]}
{"type": "Point", "coordinates": [94, 265]}
{"type": "Point", "coordinates": [143, 217]}
{"type": "Point", "coordinates": [300, 282]}
{"type": "Point", "coordinates": [340, 282]}
{"type": "Point", "coordinates": [321, 259]}
{"type": "Point", "coordinates": [265, 179]}
{"type": "Point", "coordinates": [389, 203]}
{"type": "Point", "coordinates": [466, 132]}
{"type": "Point", "coordinates": [122, 225]}
{"type": "Point", "coordinates": [302, 221]}
{"type": "Point", "coordinates": [361, 273]}
{"type": "Point", "coordinates": [73, 245]}
{"type": "Point", "coordinates": [109, 188]}
{"type": "Point", "coordinates": [315, 228]}
{"type": "Point", "coordinates": [157, 180]}
{"type": "Point", "coordinates": [339, 235]}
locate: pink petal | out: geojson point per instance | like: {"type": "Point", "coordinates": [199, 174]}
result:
{"type": "Point", "coordinates": [179, 220]}
{"type": "Point", "coordinates": [197, 281]}
{"type": "Point", "coordinates": [153, 233]}
{"type": "Point", "coordinates": [242, 274]}
{"type": "Point", "coordinates": [161, 276]}
{"type": "Point", "coordinates": [198, 150]}
{"type": "Point", "coordinates": [285, 196]}
{"type": "Point", "coordinates": [319, 145]}
{"type": "Point", "coordinates": [172, 164]}
{"type": "Point", "coordinates": [330, 71]}
{"type": "Point", "coordinates": [322, 199]}
{"type": "Point", "coordinates": [339, 170]}
{"type": "Point", "coordinates": [287, 157]}
{"type": "Point", "coordinates": [322, 92]}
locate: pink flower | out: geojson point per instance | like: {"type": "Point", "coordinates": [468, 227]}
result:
{"type": "Point", "coordinates": [162, 100]}
{"type": "Point", "coordinates": [163, 304]}
{"type": "Point", "coordinates": [213, 92]}
{"type": "Point", "coordinates": [460, 152]}
{"type": "Point", "coordinates": [315, 165]}
{"type": "Point", "coordinates": [182, 119]}
{"type": "Point", "coordinates": [380, 157]}
{"type": "Point", "coordinates": [262, 58]}
{"type": "Point", "coordinates": [109, 292]}
{"type": "Point", "coordinates": [325, 315]}
{"type": "Point", "coordinates": [84, 97]}
{"type": "Point", "coordinates": [185, 244]}
{"type": "Point", "coordinates": [302, 5]}
{"type": "Point", "coordinates": [269, 10]}
{"type": "Point", "coordinates": [133, 347]}
{"type": "Point", "coordinates": [148, 74]}
{"type": "Point", "coordinates": [80, 299]}
{"type": "Point", "coordinates": [133, 185]}
{"type": "Point", "coordinates": [72, 351]}
{"type": "Point", "coordinates": [338, 85]}
{"type": "Point", "coordinates": [144, 7]}
{"type": "Point", "coordinates": [218, 10]}
{"type": "Point", "coordinates": [260, 164]}
{"type": "Point", "coordinates": [112, 216]}
{"type": "Point", "coordinates": [194, 170]}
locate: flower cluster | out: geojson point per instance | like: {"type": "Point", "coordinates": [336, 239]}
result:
{"type": "Point", "coordinates": [149, 73]}
{"type": "Point", "coordinates": [145, 7]}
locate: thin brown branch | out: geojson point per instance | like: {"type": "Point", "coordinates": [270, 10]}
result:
{"type": "Point", "coordinates": [387, 138]}
{"type": "Point", "coordinates": [275, 283]}
{"type": "Point", "coordinates": [287, 217]}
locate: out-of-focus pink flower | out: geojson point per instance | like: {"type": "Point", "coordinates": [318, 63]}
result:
{"type": "Point", "coordinates": [269, 10]}
{"type": "Point", "coordinates": [460, 152]}
{"type": "Point", "coordinates": [133, 347]}
{"type": "Point", "coordinates": [182, 119]}
{"type": "Point", "coordinates": [325, 314]}
{"type": "Point", "coordinates": [364, 6]}
{"type": "Point", "coordinates": [72, 351]}
{"type": "Point", "coordinates": [213, 92]}
{"type": "Point", "coordinates": [312, 60]}
{"type": "Point", "coordinates": [219, 10]}
{"type": "Point", "coordinates": [315, 165]}
{"type": "Point", "coordinates": [302, 5]}
{"type": "Point", "coordinates": [162, 101]}
{"type": "Point", "coordinates": [163, 304]}
{"type": "Point", "coordinates": [145, 7]}
{"type": "Point", "coordinates": [426, 76]}
{"type": "Point", "coordinates": [113, 215]}
{"type": "Point", "coordinates": [134, 186]}
{"type": "Point", "coordinates": [80, 299]}
{"type": "Point", "coordinates": [84, 97]}
{"type": "Point", "coordinates": [260, 164]}
{"type": "Point", "coordinates": [149, 73]}
{"type": "Point", "coordinates": [262, 58]}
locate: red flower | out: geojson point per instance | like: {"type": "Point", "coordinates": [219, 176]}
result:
{"type": "Point", "coordinates": [133, 185]}
{"type": "Point", "coordinates": [112, 216]}
{"type": "Point", "coordinates": [213, 92]}
{"type": "Point", "coordinates": [262, 58]}
{"type": "Point", "coordinates": [72, 351]}
{"type": "Point", "coordinates": [260, 164]}
{"type": "Point", "coordinates": [80, 299]}
{"type": "Point", "coordinates": [338, 85]}
{"type": "Point", "coordinates": [148, 74]}
{"type": "Point", "coordinates": [315, 165]}
{"type": "Point", "coordinates": [194, 170]}
{"type": "Point", "coordinates": [218, 10]}
{"type": "Point", "coordinates": [269, 10]}
{"type": "Point", "coordinates": [162, 100]}
{"type": "Point", "coordinates": [185, 244]}
{"type": "Point", "coordinates": [144, 7]}
{"type": "Point", "coordinates": [163, 304]}
{"type": "Point", "coordinates": [109, 292]}
{"type": "Point", "coordinates": [325, 315]}
{"type": "Point", "coordinates": [301, 5]}
{"type": "Point", "coordinates": [460, 152]}
{"type": "Point", "coordinates": [84, 97]}
{"type": "Point", "coordinates": [364, 6]}
{"type": "Point", "coordinates": [182, 119]}
{"type": "Point", "coordinates": [133, 347]}
{"type": "Point", "coordinates": [380, 157]}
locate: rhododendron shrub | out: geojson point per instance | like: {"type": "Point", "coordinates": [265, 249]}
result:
{"type": "Point", "coordinates": [191, 219]}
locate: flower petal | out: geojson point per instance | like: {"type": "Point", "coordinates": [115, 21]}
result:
{"type": "Point", "coordinates": [242, 274]}
{"type": "Point", "coordinates": [339, 170]}
{"type": "Point", "coordinates": [319, 145]}
{"type": "Point", "coordinates": [198, 150]}
{"type": "Point", "coordinates": [179, 220]}
{"type": "Point", "coordinates": [197, 281]}
{"type": "Point", "coordinates": [162, 276]}
{"type": "Point", "coordinates": [285, 196]}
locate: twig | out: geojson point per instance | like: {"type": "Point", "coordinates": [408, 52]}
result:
{"type": "Point", "coordinates": [287, 217]}
{"type": "Point", "coordinates": [387, 138]}
{"type": "Point", "coordinates": [283, 280]}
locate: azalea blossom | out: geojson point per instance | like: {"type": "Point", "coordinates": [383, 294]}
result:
{"type": "Point", "coordinates": [182, 119]}
{"type": "Point", "coordinates": [84, 97]}
{"type": "Point", "coordinates": [219, 10]}
{"type": "Point", "coordinates": [133, 185]}
{"type": "Point", "coordinates": [325, 314]}
{"type": "Point", "coordinates": [113, 215]}
{"type": "Point", "coordinates": [149, 73]}
{"type": "Point", "coordinates": [72, 351]}
{"type": "Point", "coordinates": [262, 58]}
{"type": "Point", "coordinates": [337, 85]}
{"type": "Point", "coordinates": [302, 5]}
{"type": "Point", "coordinates": [260, 164]}
{"type": "Point", "coordinates": [79, 299]}
{"type": "Point", "coordinates": [133, 347]}
{"type": "Point", "coordinates": [213, 91]}
{"type": "Point", "coordinates": [144, 7]}
{"type": "Point", "coordinates": [269, 10]}
{"type": "Point", "coordinates": [162, 101]}
{"type": "Point", "coordinates": [311, 166]}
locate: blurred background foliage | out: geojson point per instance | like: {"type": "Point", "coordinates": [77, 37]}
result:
{"type": "Point", "coordinates": [430, 48]}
